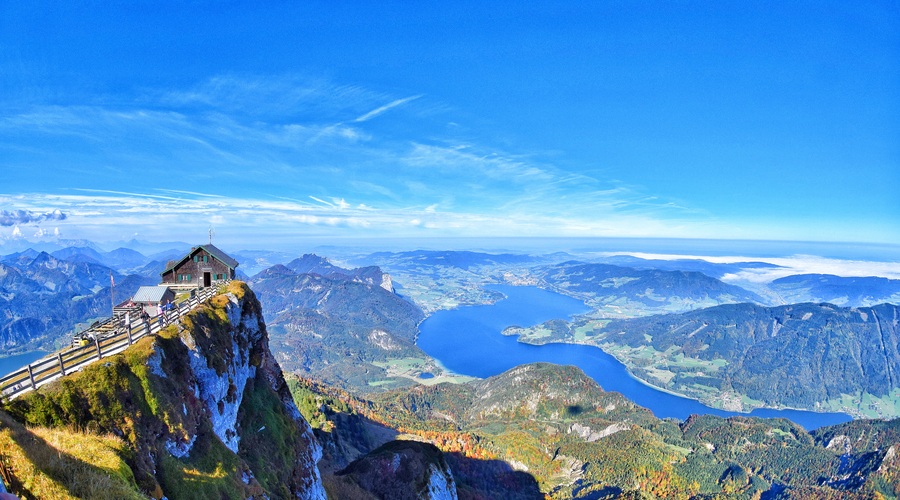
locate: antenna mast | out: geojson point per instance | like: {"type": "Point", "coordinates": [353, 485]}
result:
{"type": "Point", "coordinates": [211, 233]}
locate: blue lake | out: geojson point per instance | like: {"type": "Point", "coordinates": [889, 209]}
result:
{"type": "Point", "coordinates": [467, 340]}
{"type": "Point", "coordinates": [10, 364]}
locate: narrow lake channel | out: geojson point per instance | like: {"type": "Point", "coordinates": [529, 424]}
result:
{"type": "Point", "coordinates": [467, 340]}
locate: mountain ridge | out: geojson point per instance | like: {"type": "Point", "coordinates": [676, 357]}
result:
{"type": "Point", "coordinates": [561, 435]}
{"type": "Point", "coordinates": [619, 291]}
{"type": "Point", "coordinates": [809, 356]}
{"type": "Point", "coordinates": [345, 325]}
{"type": "Point", "coordinates": [42, 298]}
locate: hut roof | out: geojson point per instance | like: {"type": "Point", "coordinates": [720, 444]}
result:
{"type": "Point", "coordinates": [150, 294]}
{"type": "Point", "coordinates": [210, 249]}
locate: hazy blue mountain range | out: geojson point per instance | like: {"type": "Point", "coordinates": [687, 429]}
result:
{"type": "Point", "coordinates": [79, 254]}
{"type": "Point", "coordinates": [120, 259]}
{"type": "Point", "coordinates": [711, 269]}
{"type": "Point", "coordinates": [432, 258]}
{"type": "Point", "coordinates": [11, 246]}
{"type": "Point", "coordinates": [838, 290]}
{"type": "Point", "coordinates": [254, 261]}
{"type": "Point", "coordinates": [124, 258]}
{"type": "Point", "coordinates": [314, 264]}
{"type": "Point", "coordinates": [623, 291]}
{"type": "Point", "coordinates": [42, 298]}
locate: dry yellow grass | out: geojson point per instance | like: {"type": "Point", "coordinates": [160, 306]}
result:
{"type": "Point", "coordinates": [47, 463]}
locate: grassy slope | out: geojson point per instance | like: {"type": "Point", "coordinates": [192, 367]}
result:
{"type": "Point", "coordinates": [120, 396]}
{"type": "Point", "coordinates": [42, 462]}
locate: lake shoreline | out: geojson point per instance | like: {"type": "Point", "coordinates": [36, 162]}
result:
{"type": "Point", "coordinates": [449, 336]}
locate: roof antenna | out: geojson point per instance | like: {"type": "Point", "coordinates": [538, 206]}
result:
{"type": "Point", "coordinates": [211, 233]}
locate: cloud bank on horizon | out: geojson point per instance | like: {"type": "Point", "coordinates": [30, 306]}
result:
{"type": "Point", "coordinates": [321, 121]}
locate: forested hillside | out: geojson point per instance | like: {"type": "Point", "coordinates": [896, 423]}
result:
{"type": "Point", "coordinates": [344, 329]}
{"type": "Point", "coordinates": [741, 356]}
{"type": "Point", "coordinates": [548, 429]}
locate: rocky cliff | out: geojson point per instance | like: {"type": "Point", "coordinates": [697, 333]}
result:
{"type": "Point", "coordinates": [202, 408]}
{"type": "Point", "coordinates": [402, 470]}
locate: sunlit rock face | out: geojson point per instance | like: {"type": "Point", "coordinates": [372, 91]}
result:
{"type": "Point", "coordinates": [222, 364]}
{"type": "Point", "coordinates": [222, 392]}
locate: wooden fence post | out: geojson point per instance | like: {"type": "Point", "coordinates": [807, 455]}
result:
{"type": "Point", "coordinates": [180, 311]}
{"type": "Point", "coordinates": [31, 377]}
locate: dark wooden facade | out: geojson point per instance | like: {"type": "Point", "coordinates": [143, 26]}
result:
{"type": "Point", "coordinates": [202, 266]}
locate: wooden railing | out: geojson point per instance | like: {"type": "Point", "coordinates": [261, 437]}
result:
{"type": "Point", "coordinates": [102, 344]}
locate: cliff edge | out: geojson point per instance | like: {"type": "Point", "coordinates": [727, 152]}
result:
{"type": "Point", "coordinates": [202, 410]}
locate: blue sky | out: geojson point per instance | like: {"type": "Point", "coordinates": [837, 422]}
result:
{"type": "Point", "coordinates": [308, 120]}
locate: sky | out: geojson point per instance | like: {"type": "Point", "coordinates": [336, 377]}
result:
{"type": "Point", "coordinates": [281, 122]}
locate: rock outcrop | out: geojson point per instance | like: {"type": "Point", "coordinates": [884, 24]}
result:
{"type": "Point", "coordinates": [203, 406]}
{"type": "Point", "coordinates": [403, 470]}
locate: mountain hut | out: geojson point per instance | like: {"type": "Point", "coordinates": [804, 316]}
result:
{"type": "Point", "coordinates": [202, 266]}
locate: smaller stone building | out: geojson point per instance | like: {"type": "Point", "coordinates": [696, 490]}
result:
{"type": "Point", "coordinates": [202, 266]}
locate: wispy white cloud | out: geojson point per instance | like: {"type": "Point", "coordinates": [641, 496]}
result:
{"type": "Point", "coordinates": [462, 159]}
{"type": "Point", "coordinates": [265, 153]}
{"type": "Point", "coordinates": [103, 214]}
{"type": "Point", "coordinates": [371, 189]}
{"type": "Point", "coordinates": [382, 109]}
{"type": "Point", "coordinates": [323, 202]}
{"type": "Point", "coordinates": [191, 193]}
{"type": "Point", "coordinates": [283, 96]}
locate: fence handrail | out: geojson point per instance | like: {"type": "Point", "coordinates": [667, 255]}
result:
{"type": "Point", "coordinates": [62, 363]}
